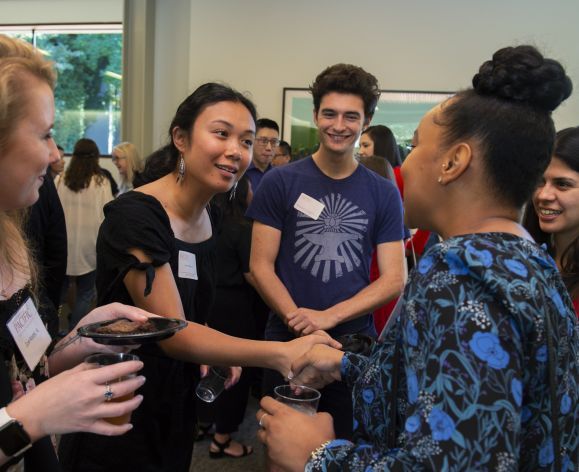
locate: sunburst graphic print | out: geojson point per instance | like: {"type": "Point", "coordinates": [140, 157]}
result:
{"type": "Point", "coordinates": [332, 243]}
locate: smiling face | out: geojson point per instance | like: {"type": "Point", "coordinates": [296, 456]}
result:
{"type": "Point", "coordinates": [366, 146]}
{"type": "Point", "coordinates": [556, 199]}
{"type": "Point", "coordinates": [340, 120]}
{"type": "Point", "coordinates": [30, 149]}
{"type": "Point", "coordinates": [218, 151]}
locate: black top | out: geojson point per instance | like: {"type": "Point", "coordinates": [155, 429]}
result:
{"type": "Point", "coordinates": [138, 220]}
{"type": "Point", "coordinates": [45, 229]}
{"type": "Point", "coordinates": [164, 424]}
{"type": "Point", "coordinates": [8, 347]}
{"type": "Point", "coordinates": [41, 456]}
{"type": "Point", "coordinates": [234, 244]}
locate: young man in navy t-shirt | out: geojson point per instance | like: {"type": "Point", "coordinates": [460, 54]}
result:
{"type": "Point", "coordinates": [316, 224]}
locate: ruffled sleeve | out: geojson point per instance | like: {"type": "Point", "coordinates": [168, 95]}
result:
{"type": "Point", "coordinates": [132, 221]}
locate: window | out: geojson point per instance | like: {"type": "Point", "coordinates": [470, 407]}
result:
{"type": "Point", "coordinates": [88, 59]}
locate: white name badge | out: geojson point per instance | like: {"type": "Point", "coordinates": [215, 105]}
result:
{"type": "Point", "coordinates": [187, 265]}
{"type": "Point", "coordinates": [309, 206]}
{"type": "Point", "coordinates": [29, 333]}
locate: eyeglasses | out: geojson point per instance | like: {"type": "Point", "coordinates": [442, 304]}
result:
{"type": "Point", "coordinates": [263, 141]}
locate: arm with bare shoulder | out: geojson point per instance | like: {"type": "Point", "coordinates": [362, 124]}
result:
{"type": "Point", "coordinates": [201, 344]}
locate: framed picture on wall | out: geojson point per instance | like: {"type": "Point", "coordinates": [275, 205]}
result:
{"type": "Point", "coordinates": [400, 110]}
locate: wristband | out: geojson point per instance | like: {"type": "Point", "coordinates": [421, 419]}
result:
{"type": "Point", "coordinates": [14, 440]}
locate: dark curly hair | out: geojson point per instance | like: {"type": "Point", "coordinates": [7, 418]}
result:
{"type": "Point", "coordinates": [346, 78]}
{"type": "Point", "coordinates": [84, 164]}
{"type": "Point", "coordinates": [508, 112]}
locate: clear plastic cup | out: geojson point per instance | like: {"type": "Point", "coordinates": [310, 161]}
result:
{"type": "Point", "coordinates": [211, 386]}
{"type": "Point", "coordinates": [105, 359]}
{"type": "Point", "coordinates": [300, 398]}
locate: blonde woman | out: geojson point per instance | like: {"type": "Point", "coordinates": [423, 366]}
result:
{"type": "Point", "coordinates": [74, 400]}
{"type": "Point", "coordinates": [128, 161]}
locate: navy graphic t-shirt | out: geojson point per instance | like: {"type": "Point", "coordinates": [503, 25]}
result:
{"type": "Point", "coordinates": [325, 261]}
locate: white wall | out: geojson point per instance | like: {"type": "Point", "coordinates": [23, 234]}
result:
{"type": "Point", "coordinates": [60, 11]}
{"type": "Point", "coordinates": [261, 46]}
{"type": "Point", "coordinates": [265, 45]}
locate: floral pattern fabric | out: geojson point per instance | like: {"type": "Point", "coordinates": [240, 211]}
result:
{"type": "Point", "coordinates": [467, 364]}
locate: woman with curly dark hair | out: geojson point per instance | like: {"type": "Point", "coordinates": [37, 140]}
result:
{"type": "Point", "coordinates": [83, 192]}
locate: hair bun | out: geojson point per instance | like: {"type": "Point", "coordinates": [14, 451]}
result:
{"type": "Point", "coordinates": [522, 74]}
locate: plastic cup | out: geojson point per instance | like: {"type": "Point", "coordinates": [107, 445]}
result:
{"type": "Point", "coordinates": [102, 360]}
{"type": "Point", "coordinates": [300, 398]}
{"type": "Point", "coordinates": [211, 386]}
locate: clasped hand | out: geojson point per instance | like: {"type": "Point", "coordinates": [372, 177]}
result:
{"type": "Point", "coordinates": [318, 367]}
{"type": "Point", "coordinates": [304, 321]}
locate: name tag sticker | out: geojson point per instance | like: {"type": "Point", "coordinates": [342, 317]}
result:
{"type": "Point", "coordinates": [187, 265]}
{"type": "Point", "coordinates": [29, 333]}
{"type": "Point", "coordinates": [309, 206]}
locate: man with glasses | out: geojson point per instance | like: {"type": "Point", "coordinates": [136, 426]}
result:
{"type": "Point", "coordinates": [264, 148]}
{"type": "Point", "coordinates": [283, 155]}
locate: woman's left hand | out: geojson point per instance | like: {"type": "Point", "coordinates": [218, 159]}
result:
{"type": "Point", "coordinates": [233, 377]}
{"type": "Point", "coordinates": [279, 424]}
{"type": "Point", "coordinates": [76, 352]}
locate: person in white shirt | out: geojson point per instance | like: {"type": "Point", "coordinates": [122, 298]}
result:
{"type": "Point", "coordinates": [83, 193]}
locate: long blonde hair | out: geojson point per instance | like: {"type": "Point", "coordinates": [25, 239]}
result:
{"type": "Point", "coordinates": [18, 60]}
{"type": "Point", "coordinates": [134, 163]}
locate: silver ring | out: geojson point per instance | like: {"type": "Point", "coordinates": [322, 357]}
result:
{"type": "Point", "coordinates": [108, 393]}
{"type": "Point", "coordinates": [261, 419]}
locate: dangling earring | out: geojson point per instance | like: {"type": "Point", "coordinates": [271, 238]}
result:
{"type": "Point", "coordinates": [232, 191]}
{"type": "Point", "coordinates": [181, 171]}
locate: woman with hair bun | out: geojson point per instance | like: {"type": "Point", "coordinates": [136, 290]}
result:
{"type": "Point", "coordinates": [479, 369]}
{"type": "Point", "coordinates": [554, 216]}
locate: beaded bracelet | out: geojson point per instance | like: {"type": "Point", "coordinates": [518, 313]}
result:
{"type": "Point", "coordinates": [316, 453]}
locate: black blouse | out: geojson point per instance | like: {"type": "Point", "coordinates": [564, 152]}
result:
{"type": "Point", "coordinates": [138, 220]}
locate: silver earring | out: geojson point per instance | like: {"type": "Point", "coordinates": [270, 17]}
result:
{"type": "Point", "coordinates": [181, 171]}
{"type": "Point", "coordinates": [440, 180]}
{"type": "Point", "coordinates": [232, 192]}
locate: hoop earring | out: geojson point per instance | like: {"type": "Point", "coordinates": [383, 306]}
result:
{"type": "Point", "coordinates": [232, 192]}
{"type": "Point", "coordinates": [181, 171]}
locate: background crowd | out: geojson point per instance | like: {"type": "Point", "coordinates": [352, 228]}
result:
{"type": "Point", "coordinates": [267, 260]}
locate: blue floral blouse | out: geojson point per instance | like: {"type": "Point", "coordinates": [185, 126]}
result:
{"type": "Point", "coordinates": [467, 363]}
